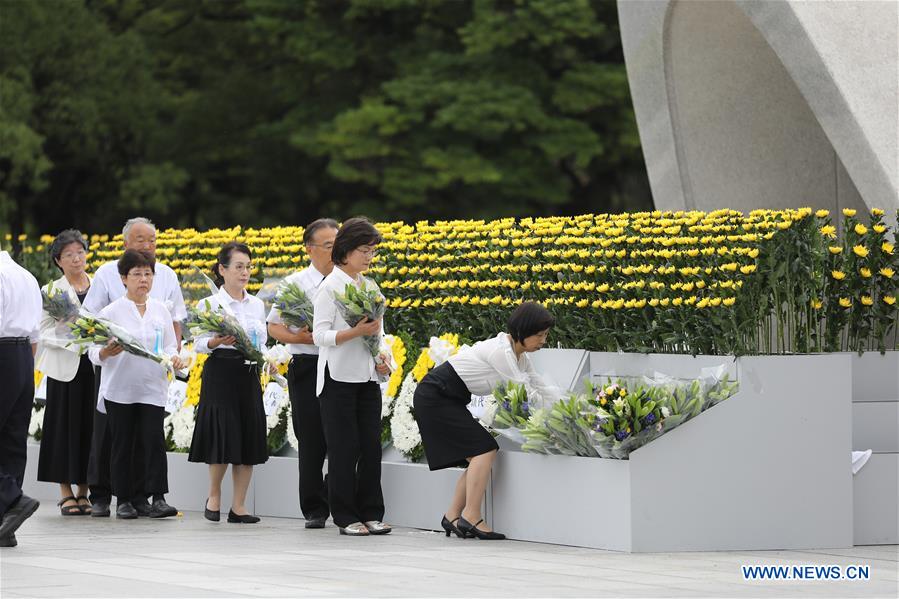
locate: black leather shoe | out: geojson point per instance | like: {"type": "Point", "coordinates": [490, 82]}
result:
{"type": "Point", "coordinates": [9, 541]}
{"type": "Point", "coordinates": [18, 513]}
{"type": "Point", "coordinates": [100, 510]}
{"type": "Point", "coordinates": [316, 522]}
{"type": "Point", "coordinates": [212, 516]}
{"type": "Point", "coordinates": [451, 528]}
{"type": "Point", "coordinates": [160, 509]}
{"type": "Point", "coordinates": [472, 530]}
{"type": "Point", "coordinates": [142, 508]}
{"type": "Point", "coordinates": [125, 511]}
{"type": "Point", "coordinates": [245, 519]}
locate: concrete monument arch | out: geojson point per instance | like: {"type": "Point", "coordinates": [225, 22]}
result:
{"type": "Point", "coordinates": [766, 103]}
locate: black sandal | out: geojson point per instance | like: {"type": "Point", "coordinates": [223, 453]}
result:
{"type": "Point", "coordinates": [69, 510]}
{"type": "Point", "coordinates": [85, 509]}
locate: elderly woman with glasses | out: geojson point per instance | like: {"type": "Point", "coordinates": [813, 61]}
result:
{"type": "Point", "coordinates": [69, 413]}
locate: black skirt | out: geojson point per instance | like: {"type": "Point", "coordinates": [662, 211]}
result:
{"type": "Point", "coordinates": [230, 426]}
{"type": "Point", "coordinates": [449, 432]}
{"type": "Point", "coordinates": [68, 425]}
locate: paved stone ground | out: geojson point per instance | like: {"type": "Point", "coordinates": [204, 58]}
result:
{"type": "Point", "coordinates": [190, 557]}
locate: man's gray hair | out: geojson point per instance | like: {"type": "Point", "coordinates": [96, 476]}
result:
{"type": "Point", "coordinates": [134, 221]}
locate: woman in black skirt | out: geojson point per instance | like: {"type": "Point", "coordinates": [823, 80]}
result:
{"type": "Point", "coordinates": [450, 434]}
{"type": "Point", "coordinates": [230, 426]}
{"type": "Point", "coordinates": [68, 415]}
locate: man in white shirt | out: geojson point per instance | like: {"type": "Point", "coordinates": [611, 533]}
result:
{"type": "Point", "coordinates": [301, 375]}
{"type": "Point", "coordinates": [138, 234]}
{"type": "Point", "coordinates": [20, 318]}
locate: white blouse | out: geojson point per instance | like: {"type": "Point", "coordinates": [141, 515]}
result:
{"type": "Point", "coordinates": [349, 362]}
{"type": "Point", "coordinates": [310, 281]}
{"type": "Point", "coordinates": [488, 363]}
{"type": "Point", "coordinates": [249, 311]}
{"type": "Point", "coordinates": [130, 379]}
{"type": "Point", "coordinates": [107, 287]}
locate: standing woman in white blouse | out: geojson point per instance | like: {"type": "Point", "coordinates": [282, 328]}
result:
{"type": "Point", "coordinates": [69, 414]}
{"type": "Point", "coordinates": [230, 426]}
{"type": "Point", "coordinates": [450, 434]}
{"type": "Point", "coordinates": [133, 390]}
{"type": "Point", "coordinates": [347, 387]}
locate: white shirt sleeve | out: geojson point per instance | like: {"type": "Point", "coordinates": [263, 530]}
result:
{"type": "Point", "coordinates": [325, 312]}
{"type": "Point", "coordinates": [201, 341]}
{"type": "Point", "coordinates": [97, 296]}
{"type": "Point", "coordinates": [179, 310]}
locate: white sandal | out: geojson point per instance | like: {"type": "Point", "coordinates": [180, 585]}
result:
{"type": "Point", "coordinates": [376, 527]}
{"type": "Point", "coordinates": [356, 529]}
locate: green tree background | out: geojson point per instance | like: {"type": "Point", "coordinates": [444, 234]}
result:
{"type": "Point", "coordinates": [210, 113]}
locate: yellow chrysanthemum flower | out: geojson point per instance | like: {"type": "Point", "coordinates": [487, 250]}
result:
{"type": "Point", "coordinates": [861, 229]}
{"type": "Point", "coordinates": [829, 231]}
{"type": "Point", "coordinates": [887, 272]}
{"type": "Point", "coordinates": [845, 302]}
{"type": "Point", "coordinates": [889, 300]}
{"type": "Point", "coordinates": [835, 249]}
{"type": "Point", "coordinates": [867, 300]}
{"type": "Point", "coordinates": [839, 275]}
{"type": "Point", "coordinates": [822, 213]}
{"type": "Point", "coordinates": [860, 251]}
{"type": "Point", "coordinates": [848, 212]}
{"type": "Point", "coordinates": [887, 247]}
{"type": "Point", "coordinates": [865, 273]}
{"type": "Point", "coordinates": [817, 304]}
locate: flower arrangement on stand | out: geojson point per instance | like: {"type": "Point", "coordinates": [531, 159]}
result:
{"type": "Point", "coordinates": [404, 428]}
{"type": "Point", "coordinates": [390, 389]}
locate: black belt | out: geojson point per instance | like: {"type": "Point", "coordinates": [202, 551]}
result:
{"type": "Point", "coordinates": [305, 356]}
{"type": "Point", "coordinates": [14, 341]}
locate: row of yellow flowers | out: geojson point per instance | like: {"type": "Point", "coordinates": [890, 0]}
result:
{"type": "Point", "coordinates": [717, 282]}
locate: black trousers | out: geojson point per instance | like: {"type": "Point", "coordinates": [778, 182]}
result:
{"type": "Point", "coordinates": [16, 400]}
{"type": "Point", "coordinates": [98, 464]}
{"type": "Point", "coordinates": [351, 415]}
{"type": "Point", "coordinates": [128, 423]}
{"type": "Point", "coordinates": [307, 424]}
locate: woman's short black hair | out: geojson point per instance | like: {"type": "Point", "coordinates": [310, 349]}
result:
{"type": "Point", "coordinates": [317, 225]}
{"type": "Point", "coordinates": [529, 319]}
{"type": "Point", "coordinates": [135, 259]}
{"type": "Point", "coordinates": [354, 233]}
{"type": "Point", "coordinates": [63, 240]}
{"type": "Point", "coordinates": [224, 258]}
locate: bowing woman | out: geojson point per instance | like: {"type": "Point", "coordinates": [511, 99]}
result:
{"type": "Point", "coordinates": [133, 390]}
{"type": "Point", "coordinates": [450, 434]}
{"type": "Point", "coordinates": [69, 414]}
{"type": "Point", "coordinates": [346, 385]}
{"type": "Point", "coordinates": [230, 426]}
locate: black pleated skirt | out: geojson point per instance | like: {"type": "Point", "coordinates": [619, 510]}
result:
{"type": "Point", "coordinates": [68, 425]}
{"type": "Point", "coordinates": [449, 432]}
{"type": "Point", "coordinates": [230, 426]}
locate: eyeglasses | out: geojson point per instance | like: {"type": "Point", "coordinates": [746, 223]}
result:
{"type": "Point", "coordinates": [140, 275]}
{"type": "Point", "coordinates": [324, 246]}
{"type": "Point", "coordinates": [241, 267]}
{"type": "Point", "coordinates": [73, 255]}
{"type": "Point", "coordinates": [370, 253]}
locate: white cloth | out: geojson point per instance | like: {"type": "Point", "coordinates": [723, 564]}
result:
{"type": "Point", "coordinates": [250, 312]}
{"type": "Point", "coordinates": [486, 364]}
{"type": "Point", "coordinates": [55, 357]}
{"type": "Point", "coordinates": [309, 280]}
{"type": "Point", "coordinates": [859, 459]}
{"type": "Point", "coordinates": [20, 301]}
{"type": "Point", "coordinates": [129, 379]}
{"type": "Point", "coordinates": [349, 362]}
{"type": "Point", "coordinates": [107, 287]}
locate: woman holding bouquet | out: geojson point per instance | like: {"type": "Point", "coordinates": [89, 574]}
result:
{"type": "Point", "coordinates": [450, 434]}
{"type": "Point", "coordinates": [133, 389]}
{"type": "Point", "coordinates": [69, 413]}
{"type": "Point", "coordinates": [230, 426]}
{"type": "Point", "coordinates": [347, 387]}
